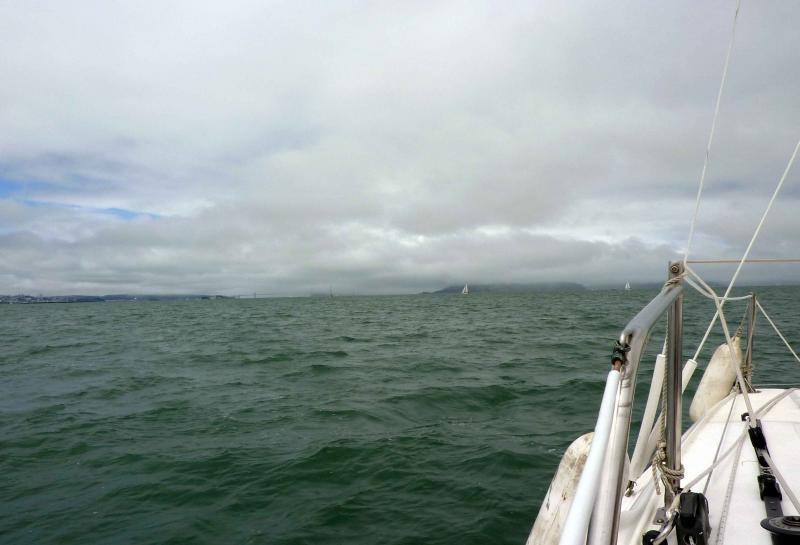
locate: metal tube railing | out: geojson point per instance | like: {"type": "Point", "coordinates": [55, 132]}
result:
{"type": "Point", "coordinates": [674, 390]}
{"type": "Point", "coordinates": [751, 330]}
{"type": "Point", "coordinates": [643, 452]}
{"type": "Point", "coordinates": [577, 522]}
{"type": "Point", "coordinates": [605, 516]}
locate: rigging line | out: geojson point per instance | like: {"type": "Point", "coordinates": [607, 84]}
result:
{"type": "Point", "coordinates": [713, 320]}
{"type": "Point", "coordinates": [705, 293]}
{"type": "Point", "coordinates": [705, 337]}
{"type": "Point", "coordinates": [784, 484]}
{"type": "Point", "coordinates": [721, 440]}
{"type": "Point", "coordinates": [719, 302]}
{"type": "Point", "coordinates": [700, 290]}
{"type": "Point", "coordinates": [737, 445]}
{"type": "Point", "coordinates": [763, 219]}
{"type": "Point", "coordinates": [711, 133]}
{"type": "Point", "coordinates": [751, 260]}
{"type": "Point", "coordinates": [723, 519]}
{"type": "Point", "coordinates": [758, 414]}
{"type": "Point", "coordinates": [764, 312]}
{"type": "Point", "coordinates": [743, 386]}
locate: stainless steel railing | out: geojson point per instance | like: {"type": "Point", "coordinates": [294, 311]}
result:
{"type": "Point", "coordinates": [604, 523]}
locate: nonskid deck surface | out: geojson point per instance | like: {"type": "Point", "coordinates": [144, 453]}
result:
{"type": "Point", "coordinates": [735, 507]}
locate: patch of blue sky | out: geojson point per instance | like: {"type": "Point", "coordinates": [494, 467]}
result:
{"type": "Point", "coordinates": [7, 188]}
{"type": "Point", "coordinates": [121, 213]}
{"type": "Point", "coordinates": [126, 214]}
{"type": "Point", "coordinates": [10, 187]}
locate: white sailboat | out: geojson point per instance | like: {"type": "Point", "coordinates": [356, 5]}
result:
{"type": "Point", "coordinates": [465, 291]}
{"type": "Point", "coordinates": [627, 286]}
{"type": "Point", "coordinates": [732, 478]}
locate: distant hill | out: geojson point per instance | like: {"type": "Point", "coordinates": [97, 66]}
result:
{"type": "Point", "coordinates": [515, 288]}
{"type": "Point", "coordinates": [31, 299]}
{"type": "Point", "coordinates": [157, 297]}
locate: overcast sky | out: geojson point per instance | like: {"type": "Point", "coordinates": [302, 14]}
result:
{"type": "Point", "coordinates": [386, 147]}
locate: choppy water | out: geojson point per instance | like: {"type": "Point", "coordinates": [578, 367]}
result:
{"type": "Point", "coordinates": [360, 420]}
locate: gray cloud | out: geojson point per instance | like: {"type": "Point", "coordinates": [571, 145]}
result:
{"type": "Point", "coordinates": [384, 147]}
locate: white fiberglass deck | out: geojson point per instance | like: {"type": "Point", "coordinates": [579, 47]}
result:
{"type": "Point", "coordinates": [736, 509]}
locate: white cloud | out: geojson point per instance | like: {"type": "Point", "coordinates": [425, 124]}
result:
{"type": "Point", "coordinates": [284, 147]}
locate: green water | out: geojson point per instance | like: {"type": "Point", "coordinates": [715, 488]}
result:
{"type": "Point", "coordinates": [358, 420]}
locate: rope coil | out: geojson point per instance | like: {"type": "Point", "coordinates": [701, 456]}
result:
{"type": "Point", "coordinates": [662, 472]}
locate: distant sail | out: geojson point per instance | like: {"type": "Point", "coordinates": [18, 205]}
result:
{"type": "Point", "coordinates": [465, 291]}
{"type": "Point", "coordinates": [627, 286]}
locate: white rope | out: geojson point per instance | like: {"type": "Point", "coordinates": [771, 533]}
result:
{"type": "Point", "coordinates": [713, 466]}
{"type": "Point", "coordinates": [721, 440]}
{"type": "Point", "coordinates": [704, 293]}
{"type": "Point", "coordinates": [763, 219]}
{"type": "Point", "coordinates": [649, 446]}
{"type": "Point", "coordinates": [711, 324]}
{"type": "Point", "coordinates": [764, 312]}
{"type": "Point", "coordinates": [711, 133]}
{"type": "Point", "coordinates": [758, 414]}
{"type": "Point", "coordinates": [659, 465]}
{"type": "Point", "coordinates": [719, 302]}
{"type": "Point", "coordinates": [723, 518]}
{"type": "Point", "coordinates": [737, 444]}
{"type": "Point", "coordinates": [751, 260]}
{"type": "Point", "coordinates": [705, 337]}
{"type": "Point", "coordinates": [713, 321]}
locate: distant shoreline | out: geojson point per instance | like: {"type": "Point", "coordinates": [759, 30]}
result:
{"type": "Point", "coordinates": [495, 289]}
{"type": "Point", "coordinates": [24, 299]}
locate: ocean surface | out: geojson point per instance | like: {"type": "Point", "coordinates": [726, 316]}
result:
{"type": "Point", "coordinates": [357, 420]}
